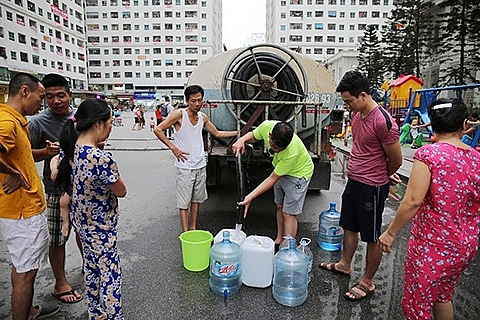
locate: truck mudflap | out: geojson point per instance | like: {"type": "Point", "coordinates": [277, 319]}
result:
{"type": "Point", "coordinates": [321, 175]}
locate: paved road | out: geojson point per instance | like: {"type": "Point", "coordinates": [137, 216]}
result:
{"type": "Point", "coordinates": [156, 286]}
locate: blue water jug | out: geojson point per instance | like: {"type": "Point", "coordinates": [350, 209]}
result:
{"type": "Point", "coordinates": [225, 266]}
{"type": "Point", "coordinates": [330, 234]}
{"type": "Point", "coordinates": [290, 277]}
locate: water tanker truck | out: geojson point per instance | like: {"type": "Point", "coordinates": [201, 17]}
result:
{"type": "Point", "coordinates": [245, 86]}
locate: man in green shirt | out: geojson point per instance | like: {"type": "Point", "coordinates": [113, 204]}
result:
{"type": "Point", "coordinates": [293, 168]}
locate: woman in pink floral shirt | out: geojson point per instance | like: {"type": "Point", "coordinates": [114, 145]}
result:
{"type": "Point", "coordinates": [443, 201]}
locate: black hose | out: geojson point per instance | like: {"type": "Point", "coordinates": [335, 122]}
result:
{"type": "Point", "coordinates": [241, 189]}
{"type": "Point", "coordinates": [269, 64]}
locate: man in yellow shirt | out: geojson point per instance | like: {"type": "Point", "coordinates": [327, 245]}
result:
{"type": "Point", "coordinates": [23, 223]}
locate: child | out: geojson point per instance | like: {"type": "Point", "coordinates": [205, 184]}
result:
{"type": "Point", "coordinates": [93, 176]}
{"type": "Point", "coordinates": [152, 123]}
{"type": "Point", "coordinates": [64, 199]}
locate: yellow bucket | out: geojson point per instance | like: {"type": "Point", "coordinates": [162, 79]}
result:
{"type": "Point", "coordinates": [196, 249]}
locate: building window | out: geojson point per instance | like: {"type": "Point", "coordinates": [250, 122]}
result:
{"type": "Point", "coordinates": [318, 13]}
{"type": "Point", "coordinates": [331, 26]}
{"type": "Point", "coordinates": [375, 14]}
{"type": "Point", "coordinates": [352, 15]}
{"type": "Point", "coordinates": [24, 56]}
{"type": "Point", "coordinates": [330, 38]}
{"type": "Point", "coordinates": [319, 26]}
{"type": "Point", "coordinates": [362, 14]}
{"type": "Point", "coordinates": [332, 14]}
{"type": "Point", "coordinates": [330, 50]}
{"type": "Point", "coordinates": [317, 50]}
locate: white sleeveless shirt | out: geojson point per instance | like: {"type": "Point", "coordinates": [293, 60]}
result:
{"type": "Point", "coordinates": [189, 139]}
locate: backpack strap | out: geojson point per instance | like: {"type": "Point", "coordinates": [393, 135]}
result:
{"type": "Point", "coordinates": [387, 118]}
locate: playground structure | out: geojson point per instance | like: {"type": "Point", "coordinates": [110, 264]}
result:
{"type": "Point", "coordinates": [407, 99]}
{"type": "Point", "coordinates": [428, 95]}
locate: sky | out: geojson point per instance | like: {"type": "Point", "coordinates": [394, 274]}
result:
{"type": "Point", "coordinates": [241, 18]}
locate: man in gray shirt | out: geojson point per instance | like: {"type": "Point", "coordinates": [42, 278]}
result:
{"type": "Point", "coordinates": [45, 129]}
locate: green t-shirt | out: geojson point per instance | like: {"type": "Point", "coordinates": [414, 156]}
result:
{"type": "Point", "coordinates": [294, 161]}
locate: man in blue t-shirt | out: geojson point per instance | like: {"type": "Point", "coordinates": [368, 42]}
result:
{"type": "Point", "coordinates": [290, 178]}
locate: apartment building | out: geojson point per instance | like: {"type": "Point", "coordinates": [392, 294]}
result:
{"type": "Point", "coordinates": [149, 48]}
{"type": "Point", "coordinates": [40, 37]}
{"type": "Point", "coordinates": [322, 28]}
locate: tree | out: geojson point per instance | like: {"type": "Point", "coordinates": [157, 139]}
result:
{"type": "Point", "coordinates": [408, 36]}
{"type": "Point", "coordinates": [458, 40]}
{"type": "Point", "coordinates": [371, 57]}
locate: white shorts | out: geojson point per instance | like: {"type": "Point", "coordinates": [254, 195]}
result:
{"type": "Point", "coordinates": [191, 186]}
{"type": "Point", "coordinates": [27, 241]}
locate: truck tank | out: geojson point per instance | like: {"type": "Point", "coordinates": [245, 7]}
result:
{"type": "Point", "coordinates": [245, 86]}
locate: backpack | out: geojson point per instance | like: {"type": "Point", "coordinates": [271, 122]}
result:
{"type": "Point", "coordinates": [164, 109]}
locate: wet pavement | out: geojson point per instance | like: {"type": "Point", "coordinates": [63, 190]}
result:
{"type": "Point", "coordinates": [155, 284]}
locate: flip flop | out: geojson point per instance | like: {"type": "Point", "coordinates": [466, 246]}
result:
{"type": "Point", "coordinates": [45, 312]}
{"type": "Point", "coordinates": [71, 292]}
{"type": "Point", "coordinates": [357, 296]}
{"type": "Point", "coordinates": [330, 266]}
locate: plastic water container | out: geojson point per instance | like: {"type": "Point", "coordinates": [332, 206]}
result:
{"type": "Point", "coordinates": [303, 247]}
{"type": "Point", "coordinates": [286, 239]}
{"type": "Point", "coordinates": [225, 266]}
{"type": "Point", "coordinates": [330, 234]}
{"type": "Point", "coordinates": [237, 236]}
{"type": "Point", "coordinates": [257, 261]}
{"type": "Point", "coordinates": [290, 277]}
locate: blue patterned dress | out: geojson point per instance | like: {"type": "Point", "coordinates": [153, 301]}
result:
{"type": "Point", "coordinates": [94, 214]}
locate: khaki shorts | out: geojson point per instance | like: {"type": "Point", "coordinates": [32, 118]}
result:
{"type": "Point", "coordinates": [27, 241]}
{"type": "Point", "coordinates": [191, 186]}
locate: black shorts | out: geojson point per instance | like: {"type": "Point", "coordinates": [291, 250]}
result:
{"type": "Point", "coordinates": [362, 209]}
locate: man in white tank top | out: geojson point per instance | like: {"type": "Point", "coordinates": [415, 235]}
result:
{"type": "Point", "coordinates": [189, 150]}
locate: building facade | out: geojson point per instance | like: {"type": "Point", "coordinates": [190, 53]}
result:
{"type": "Point", "coordinates": [149, 46]}
{"type": "Point", "coordinates": [320, 29]}
{"type": "Point", "coordinates": [41, 37]}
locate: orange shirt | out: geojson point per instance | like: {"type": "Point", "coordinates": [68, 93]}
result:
{"type": "Point", "coordinates": [14, 138]}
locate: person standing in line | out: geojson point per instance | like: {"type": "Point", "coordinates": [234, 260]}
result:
{"type": "Point", "coordinates": [22, 202]}
{"type": "Point", "coordinates": [45, 131]}
{"type": "Point", "coordinates": [443, 201]}
{"type": "Point", "coordinates": [375, 157]}
{"type": "Point", "coordinates": [293, 168]}
{"type": "Point", "coordinates": [189, 152]}
{"type": "Point", "coordinates": [96, 184]}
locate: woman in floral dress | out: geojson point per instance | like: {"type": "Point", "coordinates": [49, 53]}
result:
{"type": "Point", "coordinates": [93, 176]}
{"type": "Point", "coordinates": [443, 201]}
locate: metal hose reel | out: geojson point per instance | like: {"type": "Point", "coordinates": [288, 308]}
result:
{"type": "Point", "coordinates": [264, 73]}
